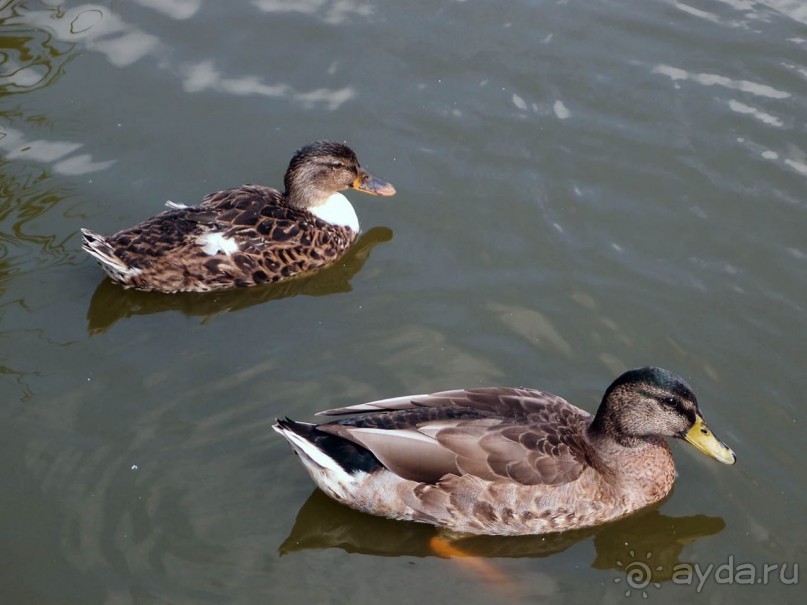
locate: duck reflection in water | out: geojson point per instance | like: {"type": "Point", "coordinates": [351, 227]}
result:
{"type": "Point", "coordinates": [654, 538]}
{"type": "Point", "coordinates": [111, 303]}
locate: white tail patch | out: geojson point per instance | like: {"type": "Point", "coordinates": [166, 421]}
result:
{"type": "Point", "coordinates": [175, 205]}
{"type": "Point", "coordinates": [214, 242]}
{"type": "Point", "coordinates": [324, 470]}
{"type": "Point", "coordinates": [101, 250]}
{"type": "Point", "coordinates": [311, 451]}
{"type": "Point", "coordinates": [337, 210]}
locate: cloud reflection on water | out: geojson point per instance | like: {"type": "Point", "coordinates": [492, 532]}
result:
{"type": "Point", "coordinates": [176, 9]}
{"type": "Point", "coordinates": [58, 153]}
{"type": "Point", "coordinates": [203, 76]}
{"type": "Point", "coordinates": [96, 28]}
{"type": "Point", "coordinates": [331, 11]}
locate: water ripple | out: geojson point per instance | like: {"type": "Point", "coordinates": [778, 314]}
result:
{"type": "Point", "coordinates": [98, 29]}
{"type": "Point", "coordinates": [203, 76]}
{"type": "Point", "coordinates": [176, 9]}
{"type": "Point", "coordinates": [760, 115]}
{"type": "Point", "coordinates": [330, 11]}
{"type": "Point", "coordinates": [95, 27]}
{"type": "Point", "coordinates": [58, 154]}
{"type": "Point", "coordinates": [676, 74]}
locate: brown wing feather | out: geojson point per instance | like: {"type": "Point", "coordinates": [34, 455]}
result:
{"type": "Point", "coordinates": [504, 401]}
{"type": "Point", "coordinates": [497, 434]}
{"type": "Point", "coordinates": [532, 451]}
{"type": "Point", "coordinates": [274, 241]}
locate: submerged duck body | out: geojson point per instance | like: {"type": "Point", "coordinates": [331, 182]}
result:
{"type": "Point", "coordinates": [244, 236]}
{"type": "Point", "coordinates": [506, 461]}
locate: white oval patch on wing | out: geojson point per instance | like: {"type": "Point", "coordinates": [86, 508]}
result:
{"type": "Point", "coordinates": [212, 243]}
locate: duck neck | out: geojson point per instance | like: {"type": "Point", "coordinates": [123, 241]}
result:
{"type": "Point", "coordinates": [303, 198]}
{"type": "Point", "coordinates": [627, 455]}
{"type": "Point", "coordinates": [606, 426]}
{"type": "Point", "coordinates": [642, 468]}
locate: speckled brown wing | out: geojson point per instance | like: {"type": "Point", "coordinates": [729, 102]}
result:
{"type": "Point", "coordinates": [496, 434]}
{"type": "Point", "coordinates": [271, 241]}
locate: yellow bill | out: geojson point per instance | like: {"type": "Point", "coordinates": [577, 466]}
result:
{"type": "Point", "coordinates": [704, 439]}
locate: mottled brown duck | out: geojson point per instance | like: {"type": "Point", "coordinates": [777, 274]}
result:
{"type": "Point", "coordinates": [507, 461]}
{"type": "Point", "coordinates": [244, 236]}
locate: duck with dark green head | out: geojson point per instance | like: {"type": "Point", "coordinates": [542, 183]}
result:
{"type": "Point", "coordinates": [507, 461]}
{"type": "Point", "coordinates": [248, 235]}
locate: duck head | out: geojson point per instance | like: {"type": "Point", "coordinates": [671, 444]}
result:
{"type": "Point", "coordinates": [322, 168]}
{"type": "Point", "coordinates": [652, 402]}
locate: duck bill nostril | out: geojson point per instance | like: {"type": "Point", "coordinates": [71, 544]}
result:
{"type": "Point", "coordinates": [705, 441]}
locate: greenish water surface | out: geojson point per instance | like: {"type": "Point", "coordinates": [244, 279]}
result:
{"type": "Point", "coordinates": [583, 187]}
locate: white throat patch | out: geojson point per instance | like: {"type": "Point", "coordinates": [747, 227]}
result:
{"type": "Point", "coordinates": [337, 210]}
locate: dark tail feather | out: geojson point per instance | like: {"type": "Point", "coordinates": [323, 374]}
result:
{"type": "Point", "coordinates": [350, 456]}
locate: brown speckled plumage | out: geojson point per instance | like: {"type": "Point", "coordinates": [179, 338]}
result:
{"type": "Point", "coordinates": [502, 460]}
{"type": "Point", "coordinates": [240, 237]}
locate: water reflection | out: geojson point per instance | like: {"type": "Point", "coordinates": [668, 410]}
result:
{"type": "Point", "coordinates": [176, 9]}
{"type": "Point", "coordinates": [330, 11]}
{"type": "Point", "coordinates": [55, 153]}
{"type": "Point", "coordinates": [20, 378]}
{"type": "Point", "coordinates": [755, 88]}
{"type": "Point", "coordinates": [35, 46]}
{"type": "Point", "coordinates": [26, 199]}
{"type": "Point", "coordinates": [650, 536]}
{"type": "Point", "coordinates": [203, 76]}
{"type": "Point", "coordinates": [111, 302]}
{"type": "Point", "coordinates": [37, 43]}
{"type": "Point", "coordinates": [767, 104]}
{"type": "Point", "coordinates": [30, 58]}
{"type": "Point", "coordinates": [94, 25]}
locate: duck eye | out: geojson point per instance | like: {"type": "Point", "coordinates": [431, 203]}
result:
{"type": "Point", "coordinates": [669, 402]}
{"type": "Point", "coordinates": [335, 165]}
